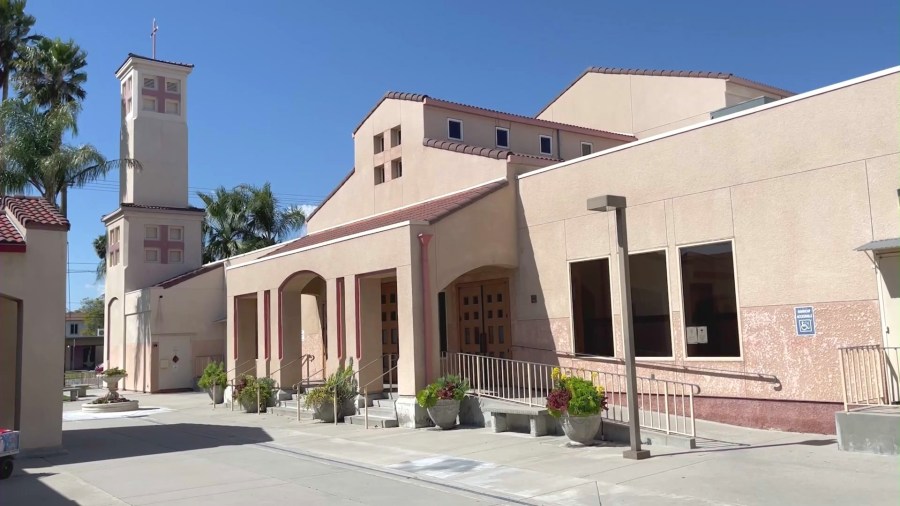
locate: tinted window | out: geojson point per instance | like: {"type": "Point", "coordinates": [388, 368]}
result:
{"type": "Point", "coordinates": [591, 308]}
{"type": "Point", "coordinates": [650, 304]}
{"type": "Point", "coordinates": [710, 303]}
{"type": "Point", "coordinates": [454, 129]}
{"type": "Point", "coordinates": [546, 145]}
{"type": "Point", "coordinates": [502, 138]}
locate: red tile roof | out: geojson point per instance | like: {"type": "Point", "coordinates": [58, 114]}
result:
{"type": "Point", "coordinates": [10, 238]}
{"type": "Point", "coordinates": [181, 278]}
{"type": "Point", "coordinates": [496, 153]}
{"type": "Point", "coordinates": [671, 73]}
{"type": "Point", "coordinates": [429, 211]}
{"type": "Point", "coordinates": [191, 209]}
{"type": "Point", "coordinates": [35, 212]}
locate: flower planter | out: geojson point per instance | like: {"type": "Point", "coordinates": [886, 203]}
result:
{"type": "Point", "coordinates": [217, 394]}
{"type": "Point", "coordinates": [324, 412]}
{"type": "Point", "coordinates": [112, 382]}
{"type": "Point", "coordinates": [348, 408]}
{"type": "Point", "coordinates": [581, 429]}
{"type": "Point", "coordinates": [444, 413]}
{"type": "Point", "coordinates": [251, 406]}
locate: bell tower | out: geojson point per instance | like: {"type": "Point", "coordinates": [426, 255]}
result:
{"type": "Point", "coordinates": [154, 132]}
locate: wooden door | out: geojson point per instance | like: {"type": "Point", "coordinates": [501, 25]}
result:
{"type": "Point", "coordinates": [484, 320]}
{"type": "Point", "coordinates": [390, 345]}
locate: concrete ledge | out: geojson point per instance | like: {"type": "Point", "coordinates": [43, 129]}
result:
{"type": "Point", "coordinates": [874, 430]}
{"type": "Point", "coordinates": [409, 414]}
{"type": "Point", "coordinates": [114, 407]}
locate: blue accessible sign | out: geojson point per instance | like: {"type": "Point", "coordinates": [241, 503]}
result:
{"type": "Point", "coordinates": [805, 321]}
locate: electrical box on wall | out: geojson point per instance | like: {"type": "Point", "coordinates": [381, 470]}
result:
{"type": "Point", "coordinates": [701, 335]}
{"type": "Point", "coordinates": [691, 335]}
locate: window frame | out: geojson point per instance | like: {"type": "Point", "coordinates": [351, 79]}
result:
{"type": "Point", "coordinates": [541, 138]}
{"type": "Point", "coordinates": [378, 143]}
{"type": "Point", "coordinates": [496, 143]}
{"type": "Point", "coordinates": [671, 309]}
{"type": "Point", "coordinates": [396, 169]}
{"type": "Point", "coordinates": [461, 131]}
{"type": "Point", "coordinates": [171, 229]}
{"type": "Point", "coordinates": [152, 261]}
{"type": "Point", "coordinates": [145, 79]}
{"type": "Point", "coordinates": [177, 82]}
{"type": "Point", "coordinates": [147, 228]}
{"type": "Point", "coordinates": [177, 105]}
{"type": "Point", "coordinates": [169, 259]}
{"type": "Point", "coordinates": [380, 169]}
{"type": "Point", "coordinates": [591, 144]}
{"type": "Point", "coordinates": [144, 103]}
{"type": "Point", "coordinates": [737, 302]}
{"type": "Point", "coordinates": [582, 356]}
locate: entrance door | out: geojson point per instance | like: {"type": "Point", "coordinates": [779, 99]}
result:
{"type": "Point", "coordinates": [889, 294]}
{"type": "Point", "coordinates": [175, 362]}
{"type": "Point", "coordinates": [484, 321]}
{"type": "Point", "coordinates": [390, 346]}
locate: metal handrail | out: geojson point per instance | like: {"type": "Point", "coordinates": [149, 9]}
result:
{"type": "Point", "coordinates": [869, 375]}
{"type": "Point", "coordinates": [366, 392]}
{"type": "Point", "coordinates": [234, 378]}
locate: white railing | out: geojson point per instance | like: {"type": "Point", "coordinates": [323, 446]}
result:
{"type": "Point", "coordinates": [666, 406]}
{"type": "Point", "coordinates": [869, 375]}
{"type": "Point", "coordinates": [73, 378]}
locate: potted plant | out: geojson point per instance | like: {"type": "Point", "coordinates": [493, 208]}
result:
{"type": "Point", "coordinates": [251, 394]}
{"type": "Point", "coordinates": [340, 385]}
{"type": "Point", "coordinates": [111, 377]}
{"type": "Point", "coordinates": [577, 403]}
{"type": "Point", "coordinates": [442, 399]}
{"type": "Point", "coordinates": [214, 381]}
{"type": "Point", "coordinates": [268, 384]}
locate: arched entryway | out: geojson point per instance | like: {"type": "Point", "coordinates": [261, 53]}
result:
{"type": "Point", "coordinates": [477, 309]}
{"type": "Point", "coordinates": [301, 347]}
{"type": "Point", "coordinates": [10, 368]}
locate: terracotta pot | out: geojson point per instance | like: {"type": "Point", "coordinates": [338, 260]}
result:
{"type": "Point", "coordinates": [581, 429]}
{"type": "Point", "coordinates": [444, 413]}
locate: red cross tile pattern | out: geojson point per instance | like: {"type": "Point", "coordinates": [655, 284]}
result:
{"type": "Point", "coordinates": [160, 94]}
{"type": "Point", "coordinates": [164, 244]}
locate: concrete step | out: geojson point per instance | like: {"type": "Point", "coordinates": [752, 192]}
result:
{"type": "Point", "coordinates": [374, 421]}
{"type": "Point", "coordinates": [378, 411]}
{"type": "Point", "coordinates": [291, 412]}
{"type": "Point", "coordinates": [384, 403]}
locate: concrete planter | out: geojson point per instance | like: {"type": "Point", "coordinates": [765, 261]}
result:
{"type": "Point", "coordinates": [324, 412]}
{"type": "Point", "coordinates": [112, 407]}
{"type": "Point", "coordinates": [216, 394]}
{"type": "Point", "coordinates": [112, 382]}
{"type": "Point", "coordinates": [581, 429]}
{"type": "Point", "coordinates": [444, 413]}
{"type": "Point", "coordinates": [251, 406]}
{"type": "Point", "coordinates": [348, 408]}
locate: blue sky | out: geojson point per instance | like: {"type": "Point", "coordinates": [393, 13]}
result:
{"type": "Point", "coordinates": [279, 86]}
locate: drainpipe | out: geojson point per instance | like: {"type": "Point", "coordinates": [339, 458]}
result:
{"type": "Point", "coordinates": [558, 146]}
{"type": "Point", "coordinates": [424, 239]}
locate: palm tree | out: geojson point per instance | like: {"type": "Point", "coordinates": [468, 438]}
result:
{"type": "Point", "coordinates": [15, 26]}
{"type": "Point", "coordinates": [269, 223]}
{"type": "Point", "coordinates": [51, 73]}
{"type": "Point", "coordinates": [35, 158]}
{"type": "Point", "coordinates": [224, 224]}
{"type": "Point", "coordinates": [100, 249]}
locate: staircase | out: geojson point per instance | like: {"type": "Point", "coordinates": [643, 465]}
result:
{"type": "Point", "coordinates": [381, 413]}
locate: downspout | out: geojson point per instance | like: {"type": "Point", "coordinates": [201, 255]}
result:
{"type": "Point", "coordinates": [424, 239]}
{"type": "Point", "coordinates": [558, 146]}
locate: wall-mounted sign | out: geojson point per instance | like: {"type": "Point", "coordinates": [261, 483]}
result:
{"type": "Point", "coordinates": [805, 321]}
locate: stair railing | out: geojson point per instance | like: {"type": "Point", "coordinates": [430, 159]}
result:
{"type": "Point", "coordinates": [380, 378]}
{"type": "Point", "coordinates": [231, 381]}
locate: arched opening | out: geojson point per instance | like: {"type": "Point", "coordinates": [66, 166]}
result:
{"type": "Point", "coordinates": [10, 366]}
{"type": "Point", "coordinates": [476, 311]}
{"type": "Point", "coordinates": [113, 335]}
{"type": "Point", "coordinates": [302, 339]}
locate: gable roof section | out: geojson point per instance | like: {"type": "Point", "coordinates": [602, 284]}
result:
{"type": "Point", "coordinates": [181, 278]}
{"type": "Point", "coordinates": [35, 212]}
{"type": "Point", "coordinates": [331, 193]}
{"type": "Point", "coordinates": [429, 211]}
{"type": "Point", "coordinates": [11, 241]}
{"type": "Point", "coordinates": [671, 73]}
{"type": "Point", "coordinates": [147, 58]}
{"type": "Point", "coordinates": [471, 109]}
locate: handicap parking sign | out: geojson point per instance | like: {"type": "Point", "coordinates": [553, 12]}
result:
{"type": "Point", "coordinates": [805, 321]}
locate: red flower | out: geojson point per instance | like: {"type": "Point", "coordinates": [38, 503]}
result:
{"type": "Point", "coordinates": [559, 399]}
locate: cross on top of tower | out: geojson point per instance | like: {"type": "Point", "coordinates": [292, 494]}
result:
{"type": "Point", "coordinates": [153, 29]}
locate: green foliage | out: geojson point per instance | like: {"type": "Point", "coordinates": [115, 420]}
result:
{"type": "Point", "coordinates": [214, 374]}
{"type": "Point", "coordinates": [51, 72]}
{"type": "Point", "coordinates": [15, 28]}
{"type": "Point", "coordinates": [575, 396]}
{"type": "Point", "coordinates": [445, 387]}
{"type": "Point", "coordinates": [100, 249]}
{"type": "Point", "coordinates": [115, 371]}
{"type": "Point", "coordinates": [342, 383]}
{"type": "Point", "coordinates": [93, 309]}
{"type": "Point", "coordinates": [254, 392]}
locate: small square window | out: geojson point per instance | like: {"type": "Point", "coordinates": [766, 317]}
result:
{"type": "Point", "coordinates": [173, 107]}
{"type": "Point", "coordinates": [151, 255]}
{"type": "Point", "coordinates": [148, 104]}
{"type": "Point", "coordinates": [378, 143]}
{"type": "Point", "coordinates": [546, 145]}
{"type": "Point", "coordinates": [395, 136]}
{"type": "Point", "coordinates": [396, 169]}
{"type": "Point", "coordinates": [502, 137]}
{"type": "Point", "coordinates": [379, 174]}
{"type": "Point", "coordinates": [173, 86]}
{"type": "Point", "coordinates": [176, 233]}
{"type": "Point", "coordinates": [586, 148]}
{"type": "Point", "coordinates": [150, 83]}
{"type": "Point", "coordinates": [151, 232]}
{"type": "Point", "coordinates": [455, 129]}
{"type": "Point", "coordinates": [176, 256]}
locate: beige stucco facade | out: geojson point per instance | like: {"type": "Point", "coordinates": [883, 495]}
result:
{"type": "Point", "coordinates": [32, 313]}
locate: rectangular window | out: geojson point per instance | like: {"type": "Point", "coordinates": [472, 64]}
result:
{"type": "Point", "coordinates": [151, 255]}
{"type": "Point", "coordinates": [173, 86]}
{"type": "Point", "coordinates": [73, 329]}
{"type": "Point", "coordinates": [378, 143]}
{"type": "Point", "coordinates": [176, 233]}
{"type": "Point", "coordinates": [173, 107]}
{"type": "Point", "coordinates": [176, 256]}
{"type": "Point", "coordinates": [650, 304]}
{"type": "Point", "coordinates": [395, 137]}
{"type": "Point", "coordinates": [586, 148]}
{"type": "Point", "coordinates": [150, 83]}
{"type": "Point", "coordinates": [710, 301]}
{"type": "Point", "coordinates": [151, 232]}
{"type": "Point", "coordinates": [546, 145]}
{"type": "Point", "coordinates": [592, 308]}
{"type": "Point", "coordinates": [148, 104]}
{"type": "Point", "coordinates": [454, 129]}
{"type": "Point", "coordinates": [379, 174]}
{"type": "Point", "coordinates": [502, 137]}
{"type": "Point", "coordinates": [396, 169]}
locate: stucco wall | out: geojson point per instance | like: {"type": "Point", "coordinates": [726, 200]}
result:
{"type": "Point", "coordinates": [790, 185]}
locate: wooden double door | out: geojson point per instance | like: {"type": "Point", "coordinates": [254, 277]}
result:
{"type": "Point", "coordinates": [484, 319]}
{"type": "Point", "coordinates": [390, 344]}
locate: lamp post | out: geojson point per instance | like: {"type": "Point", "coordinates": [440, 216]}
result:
{"type": "Point", "coordinates": [606, 203]}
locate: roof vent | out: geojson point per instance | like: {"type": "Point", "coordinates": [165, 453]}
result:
{"type": "Point", "coordinates": [743, 106]}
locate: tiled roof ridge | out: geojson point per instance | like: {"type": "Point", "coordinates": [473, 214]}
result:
{"type": "Point", "coordinates": [135, 55]}
{"type": "Point", "coordinates": [184, 276]}
{"type": "Point", "coordinates": [495, 153]}
{"type": "Point", "coordinates": [192, 209]}
{"type": "Point", "coordinates": [34, 212]}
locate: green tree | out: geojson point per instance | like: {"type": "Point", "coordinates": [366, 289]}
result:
{"type": "Point", "coordinates": [51, 73]}
{"type": "Point", "coordinates": [244, 219]}
{"type": "Point", "coordinates": [93, 309]}
{"type": "Point", "coordinates": [35, 158]}
{"type": "Point", "coordinates": [100, 250]}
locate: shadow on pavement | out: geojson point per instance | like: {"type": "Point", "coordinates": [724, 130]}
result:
{"type": "Point", "coordinates": [23, 488]}
{"type": "Point", "coordinates": [714, 446]}
{"type": "Point", "coordinates": [96, 444]}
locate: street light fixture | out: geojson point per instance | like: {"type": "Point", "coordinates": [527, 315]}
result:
{"type": "Point", "coordinates": [606, 203]}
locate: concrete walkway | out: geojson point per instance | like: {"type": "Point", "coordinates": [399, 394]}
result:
{"type": "Point", "coordinates": [188, 453]}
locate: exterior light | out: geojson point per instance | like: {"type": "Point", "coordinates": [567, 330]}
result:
{"type": "Point", "coordinates": [608, 203]}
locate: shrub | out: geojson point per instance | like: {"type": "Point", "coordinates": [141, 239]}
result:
{"type": "Point", "coordinates": [446, 387]}
{"type": "Point", "coordinates": [252, 391]}
{"type": "Point", "coordinates": [115, 371]}
{"type": "Point", "coordinates": [213, 375]}
{"type": "Point", "coordinates": [575, 396]}
{"type": "Point", "coordinates": [342, 382]}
